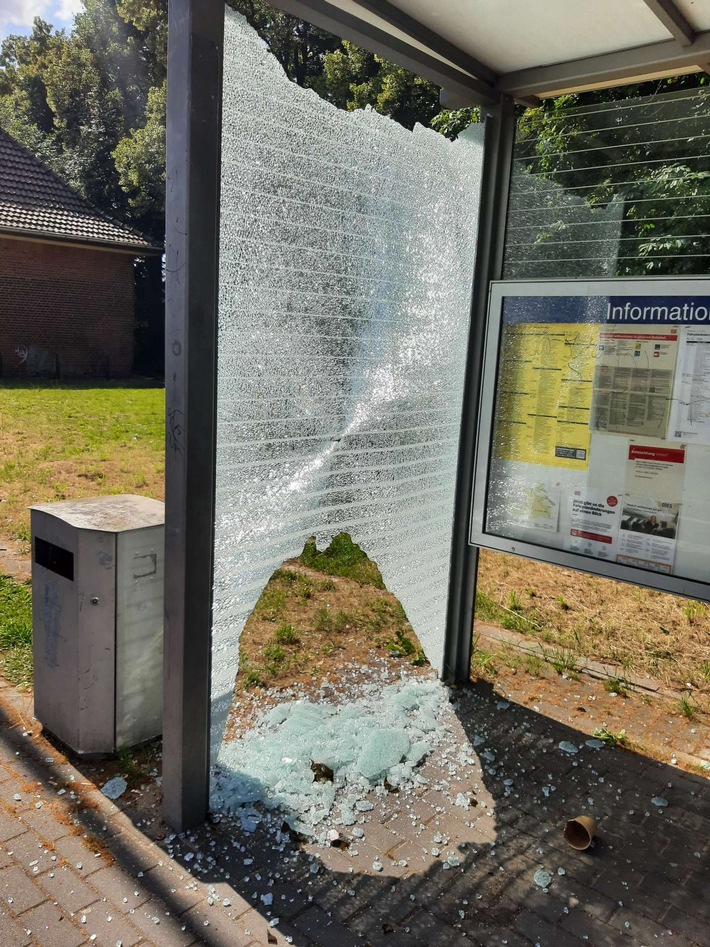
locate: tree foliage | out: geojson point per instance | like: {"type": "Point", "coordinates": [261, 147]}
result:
{"type": "Point", "coordinates": [300, 47]}
{"type": "Point", "coordinates": [91, 104]}
{"type": "Point", "coordinates": [353, 78]}
{"type": "Point", "coordinates": [72, 98]}
{"type": "Point", "coordinates": [650, 153]}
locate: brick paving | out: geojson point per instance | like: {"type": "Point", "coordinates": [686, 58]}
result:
{"type": "Point", "coordinates": [75, 870]}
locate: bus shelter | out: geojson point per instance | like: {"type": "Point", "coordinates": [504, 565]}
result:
{"type": "Point", "coordinates": [473, 391]}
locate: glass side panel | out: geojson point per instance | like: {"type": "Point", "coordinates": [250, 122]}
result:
{"type": "Point", "coordinates": [614, 189]}
{"type": "Point", "coordinates": [346, 260]}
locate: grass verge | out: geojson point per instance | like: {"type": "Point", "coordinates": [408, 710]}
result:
{"type": "Point", "coordinates": [67, 441]}
{"type": "Point", "coordinates": [641, 631]}
{"type": "Point", "coordinates": [16, 631]}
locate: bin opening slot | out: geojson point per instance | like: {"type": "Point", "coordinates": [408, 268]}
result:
{"type": "Point", "coordinates": [54, 558]}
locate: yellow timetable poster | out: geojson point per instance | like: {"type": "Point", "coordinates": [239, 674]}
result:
{"type": "Point", "coordinates": [545, 394]}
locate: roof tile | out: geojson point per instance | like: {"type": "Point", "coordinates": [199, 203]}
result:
{"type": "Point", "coordinates": [34, 200]}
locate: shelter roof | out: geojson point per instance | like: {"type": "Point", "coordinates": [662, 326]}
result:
{"type": "Point", "coordinates": [478, 49]}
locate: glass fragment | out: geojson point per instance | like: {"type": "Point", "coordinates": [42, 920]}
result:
{"type": "Point", "coordinates": [346, 259]}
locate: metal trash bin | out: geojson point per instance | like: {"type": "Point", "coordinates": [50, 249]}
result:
{"type": "Point", "coordinates": [97, 616]}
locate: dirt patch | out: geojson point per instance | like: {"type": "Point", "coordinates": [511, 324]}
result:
{"type": "Point", "coordinates": [653, 725]}
{"type": "Point", "coordinates": [307, 626]}
{"type": "Point", "coordinates": [14, 561]}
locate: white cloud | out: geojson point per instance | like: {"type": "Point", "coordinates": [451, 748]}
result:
{"type": "Point", "coordinates": [21, 13]}
{"type": "Point", "coordinates": [67, 9]}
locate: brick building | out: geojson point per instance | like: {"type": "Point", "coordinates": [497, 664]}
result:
{"type": "Point", "coordinates": [67, 276]}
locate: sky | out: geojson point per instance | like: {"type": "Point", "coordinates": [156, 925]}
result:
{"type": "Point", "coordinates": [16, 16]}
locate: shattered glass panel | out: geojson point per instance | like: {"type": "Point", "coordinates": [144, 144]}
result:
{"type": "Point", "coordinates": [346, 258]}
{"type": "Point", "coordinates": [554, 232]}
{"type": "Point", "coordinates": [384, 733]}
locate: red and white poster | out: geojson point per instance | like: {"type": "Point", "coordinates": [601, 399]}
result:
{"type": "Point", "coordinates": [594, 524]}
{"type": "Point", "coordinates": [653, 493]}
{"type": "Point", "coordinates": [655, 470]}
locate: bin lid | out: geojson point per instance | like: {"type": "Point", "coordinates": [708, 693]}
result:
{"type": "Point", "coordinates": [112, 514]}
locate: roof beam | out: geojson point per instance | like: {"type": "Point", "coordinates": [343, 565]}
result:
{"type": "Point", "coordinates": [670, 16]}
{"type": "Point", "coordinates": [450, 100]}
{"type": "Point", "coordinates": [433, 41]}
{"type": "Point", "coordinates": [328, 17]}
{"type": "Point", "coordinates": [594, 71]}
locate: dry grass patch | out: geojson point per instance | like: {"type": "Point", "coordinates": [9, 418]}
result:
{"type": "Point", "coordinates": [642, 631]}
{"type": "Point", "coordinates": [314, 619]}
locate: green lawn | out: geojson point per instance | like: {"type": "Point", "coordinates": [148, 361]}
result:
{"type": "Point", "coordinates": [66, 441]}
{"type": "Point", "coordinates": [15, 631]}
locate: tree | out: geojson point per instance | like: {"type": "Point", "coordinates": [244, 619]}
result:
{"type": "Point", "coordinates": [354, 78]}
{"type": "Point", "coordinates": [299, 47]}
{"type": "Point", "coordinates": [140, 163]}
{"type": "Point", "coordinates": [91, 103]}
{"type": "Point", "coordinates": [24, 110]}
{"type": "Point", "coordinates": [656, 168]}
{"type": "Point", "coordinates": [71, 99]}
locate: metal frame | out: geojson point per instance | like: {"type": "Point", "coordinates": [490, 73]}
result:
{"type": "Point", "coordinates": [673, 20]}
{"type": "Point", "coordinates": [329, 17]}
{"type": "Point", "coordinates": [467, 81]}
{"type": "Point", "coordinates": [495, 183]}
{"type": "Point", "coordinates": [192, 229]}
{"type": "Point", "coordinates": [192, 256]}
{"type": "Point", "coordinates": [673, 584]}
{"type": "Point", "coordinates": [594, 72]}
{"type": "Point", "coordinates": [421, 34]}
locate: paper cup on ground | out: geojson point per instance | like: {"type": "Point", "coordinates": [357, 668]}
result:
{"type": "Point", "coordinates": [579, 832]}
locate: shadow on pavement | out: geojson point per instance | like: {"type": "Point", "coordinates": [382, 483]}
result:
{"type": "Point", "coordinates": [645, 880]}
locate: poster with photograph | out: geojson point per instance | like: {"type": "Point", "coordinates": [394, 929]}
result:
{"type": "Point", "coordinates": [647, 536]}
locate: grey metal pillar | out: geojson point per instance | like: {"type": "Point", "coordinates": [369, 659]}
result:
{"type": "Point", "coordinates": [497, 161]}
{"type": "Point", "coordinates": [195, 41]}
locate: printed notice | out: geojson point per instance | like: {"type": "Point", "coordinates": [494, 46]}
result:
{"type": "Point", "coordinates": [655, 470]}
{"type": "Point", "coordinates": [653, 491]}
{"type": "Point", "coordinates": [536, 506]}
{"type": "Point", "coordinates": [545, 392]}
{"type": "Point", "coordinates": [594, 524]}
{"type": "Point", "coordinates": [633, 380]}
{"type": "Point", "coordinates": [690, 410]}
{"type": "Point", "coordinates": [647, 538]}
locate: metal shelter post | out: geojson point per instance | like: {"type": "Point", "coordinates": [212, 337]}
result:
{"type": "Point", "coordinates": [195, 47]}
{"type": "Point", "coordinates": [497, 162]}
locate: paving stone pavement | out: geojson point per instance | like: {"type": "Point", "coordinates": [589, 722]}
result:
{"type": "Point", "coordinates": [75, 870]}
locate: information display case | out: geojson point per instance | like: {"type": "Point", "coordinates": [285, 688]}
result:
{"type": "Point", "coordinates": [594, 441]}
